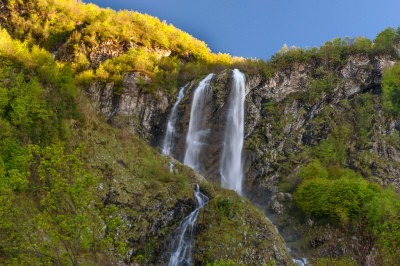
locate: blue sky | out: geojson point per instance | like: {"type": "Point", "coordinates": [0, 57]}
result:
{"type": "Point", "coordinates": [259, 28]}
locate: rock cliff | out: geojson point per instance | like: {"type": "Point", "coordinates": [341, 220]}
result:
{"type": "Point", "coordinates": [283, 116]}
{"type": "Point", "coordinates": [144, 113]}
{"type": "Point", "coordinates": [321, 107]}
{"type": "Point", "coordinates": [286, 115]}
{"type": "Point", "coordinates": [146, 196]}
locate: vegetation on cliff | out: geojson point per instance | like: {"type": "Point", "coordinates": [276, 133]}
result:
{"type": "Point", "coordinates": [346, 145]}
{"type": "Point", "coordinates": [104, 44]}
{"type": "Point", "coordinates": [74, 190]}
{"type": "Point", "coordinates": [391, 89]}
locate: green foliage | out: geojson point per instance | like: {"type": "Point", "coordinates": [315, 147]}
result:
{"type": "Point", "coordinates": [366, 114]}
{"type": "Point", "coordinates": [334, 54]}
{"type": "Point", "coordinates": [340, 200]}
{"type": "Point", "coordinates": [69, 212]}
{"type": "Point", "coordinates": [222, 263]}
{"type": "Point", "coordinates": [163, 72]}
{"type": "Point", "coordinates": [54, 218]}
{"type": "Point", "coordinates": [391, 89]}
{"type": "Point", "coordinates": [228, 208]}
{"type": "Point", "coordinates": [319, 87]}
{"type": "Point", "coordinates": [333, 51]}
{"type": "Point", "coordinates": [385, 40]}
{"type": "Point", "coordinates": [383, 215]}
{"type": "Point", "coordinates": [51, 22]}
{"type": "Point", "coordinates": [38, 94]}
{"type": "Point", "coordinates": [333, 151]}
{"type": "Point", "coordinates": [335, 262]}
{"type": "Point", "coordinates": [49, 211]}
{"type": "Point", "coordinates": [341, 196]}
{"type": "Point", "coordinates": [361, 44]}
{"type": "Point", "coordinates": [313, 170]}
{"type": "Point", "coordinates": [287, 56]}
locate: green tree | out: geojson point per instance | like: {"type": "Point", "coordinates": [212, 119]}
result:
{"type": "Point", "coordinates": [69, 210]}
{"type": "Point", "coordinates": [340, 200]}
{"type": "Point", "coordinates": [384, 41]}
{"type": "Point", "coordinates": [383, 213]}
{"type": "Point", "coordinates": [391, 89]}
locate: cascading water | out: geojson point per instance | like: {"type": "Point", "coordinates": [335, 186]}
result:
{"type": "Point", "coordinates": [197, 132]}
{"type": "Point", "coordinates": [168, 140]}
{"type": "Point", "coordinates": [231, 169]}
{"type": "Point", "coordinates": [231, 165]}
{"type": "Point", "coordinates": [181, 246]}
{"type": "Point", "coordinates": [300, 262]}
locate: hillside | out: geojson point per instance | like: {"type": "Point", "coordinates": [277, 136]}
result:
{"type": "Point", "coordinates": [76, 191]}
{"type": "Point", "coordinates": [85, 91]}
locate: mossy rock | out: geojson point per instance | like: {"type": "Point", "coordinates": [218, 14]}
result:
{"type": "Point", "coordinates": [231, 228]}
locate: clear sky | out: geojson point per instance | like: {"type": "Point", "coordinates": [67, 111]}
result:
{"type": "Point", "coordinates": [259, 28]}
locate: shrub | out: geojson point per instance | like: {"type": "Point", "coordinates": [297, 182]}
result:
{"type": "Point", "coordinates": [340, 200]}
{"type": "Point", "coordinates": [391, 89]}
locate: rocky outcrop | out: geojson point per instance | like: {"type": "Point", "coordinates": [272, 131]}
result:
{"type": "Point", "coordinates": [143, 113]}
{"type": "Point", "coordinates": [144, 196]}
{"type": "Point", "coordinates": [288, 114]}
{"type": "Point", "coordinates": [282, 116]}
{"type": "Point", "coordinates": [290, 123]}
{"type": "Point", "coordinates": [97, 53]}
{"type": "Point", "coordinates": [245, 236]}
{"type": "Point", "coordinates": [213, 116]}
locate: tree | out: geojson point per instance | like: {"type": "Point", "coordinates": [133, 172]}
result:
{"type": "Point", "coordinates": [384, 41]}
{"type": "Point", "coordinates": [69, 215]}
{"type": "Point", "coordinates": [391, 89]}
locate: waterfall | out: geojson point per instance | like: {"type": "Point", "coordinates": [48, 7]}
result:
{"type": "Point", "coordinates": [168, 140]}
{"type": "Point", "coordinates": [300, 262]}
{"type": "Point", "coordinates": [196, 132]}
{"type": "Point", "coordinates": [231, 169]}
{"type": "Point", "coordinates": [181, 246]}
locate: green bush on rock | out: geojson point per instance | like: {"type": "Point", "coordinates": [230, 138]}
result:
{"type": "Point", "coordinates": [340, 200]}
{"type": "Point", "coordinates": [391, 89]}
{"type": "Point", "coordinates": [342, 197]}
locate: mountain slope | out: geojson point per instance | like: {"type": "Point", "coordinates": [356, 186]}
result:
{"type": "Point", "coordinates": [80, 188]}
{"type": "Point", "coordinates": [315, 119]}
{"type": "Point", "coordinates": [76, 191]}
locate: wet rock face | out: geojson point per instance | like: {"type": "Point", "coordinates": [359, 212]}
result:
{"type": "Point", "coordinates": [213, 123]}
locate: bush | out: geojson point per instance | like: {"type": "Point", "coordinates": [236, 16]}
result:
{"type": "Point", "coordinates": [383, 213]}
{"type": "Point", "coordinates": [340, 200]}
{"type": "Point", "coordinates": [319, 87]}
{"type": "Point", "coordinates": [391, 89]}
{"type": "Point", "coordinates": [385, 40]}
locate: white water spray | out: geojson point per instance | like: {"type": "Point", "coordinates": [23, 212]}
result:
{"type": "Point", "coordinates": [300, 262]}
{"type": "Point", "coordinates": [181, 246]}
{"type": "Point", "coordinates": [231, 168]}
{"type": "Point", "coordinates": [168, 140]}
{"type": "Point", "coordinates": [197, 132]}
